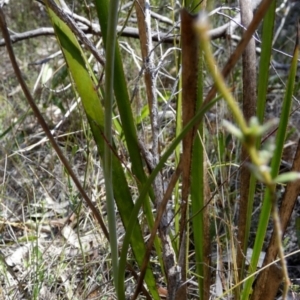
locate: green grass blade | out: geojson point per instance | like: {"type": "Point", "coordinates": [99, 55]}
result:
{"type": "Point", "coordinates": [197, 188]}
{"type": "Point", "coordinates": [265, 58]}
{"type": "Point", "coordinates": [108, 102]}
{"type": "Point", "coordinates": [284, 117]}
{"type": "Point", "coordinates": [177, 159]}
{"type": "Point", "coordinates": [198, 197]}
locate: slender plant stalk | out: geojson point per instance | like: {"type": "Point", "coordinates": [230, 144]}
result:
{"type": "Point", "coordinates": [288, 202]}
{"type": "Point", "coordinates": [263, 80]}
{"type": "Point", "coordinates": [247, 136]}
{"type": "Point", "coordinates": [260, 13]}
{"type": "Point", "coordinates": [200, 192]}
{"type": "Point", "coordinates": [108, 101]}
{"type": "Point", "coordinates": [249, 110]}
{"type": "Point", "coordinates": [269, 202]}
{"type": "Point", "coordinates": [246, 133]}
{"type": "Point", "coordinates": [189, 98]}
{"type": "Point", "coordinates": [202, 28]}
{"type": "Point", "coordinates": [159, 215]}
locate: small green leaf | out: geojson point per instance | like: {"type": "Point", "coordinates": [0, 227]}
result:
{"type": "Point", "coordinates": [47, 74]}
{"type": "Point", "coordinates": [287, 177]}
{"type": "Point", "coordinates": [258, 130]}
{"type": "Point", "coordinates": [233, 129]}
{"type": "Point", "coordinates": [257, 171]}
{"type": "Point", "coordinates": [267, 152]}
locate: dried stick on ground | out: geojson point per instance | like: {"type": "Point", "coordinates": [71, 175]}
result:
{"type": "Point", "coordinates": [94, 29]}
